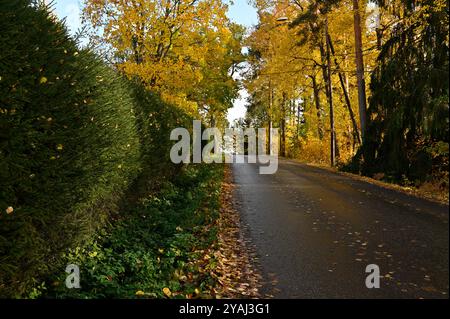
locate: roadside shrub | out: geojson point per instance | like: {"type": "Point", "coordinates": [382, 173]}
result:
{"type": "Point", "coordinates": [69, 145]}
{"type": "Point", "coordinates": [74, 137]}
{"type": "Point", "coordinates": [155, 120]}
{"type": "Point", "coordinates": [314, 150]}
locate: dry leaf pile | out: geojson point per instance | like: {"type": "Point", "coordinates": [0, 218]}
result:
{"type": "Point", "coordinates": [236, 269]}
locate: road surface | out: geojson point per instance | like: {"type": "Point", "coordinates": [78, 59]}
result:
{"type": "Point", "coordinates": [315, 231]}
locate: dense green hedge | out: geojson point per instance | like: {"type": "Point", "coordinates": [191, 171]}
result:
{"type": "Point", "coordinates": [74, 137]}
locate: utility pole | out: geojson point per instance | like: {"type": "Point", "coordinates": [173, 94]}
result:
{"type": "Point", "coordinates": [360, 69]}
{"type": "Point", "coordinates": [283, 125]}
{"type": "Point", "coordinates": [270, 116]}
{"type": "Point", "coordinates": [330, 99]}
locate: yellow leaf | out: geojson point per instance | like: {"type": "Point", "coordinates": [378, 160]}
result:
{"type": "Point", "coordinates": [140, 293]}
{"type": "Point", "coordinates": [167, 292]}
{"type": "Point", "coordinates": [43, 80]}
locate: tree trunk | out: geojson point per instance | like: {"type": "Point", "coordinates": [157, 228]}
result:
{"type": "Point", "coordinates": [270, 118]}
{"type": "Point", "coordinates": [318, 107]}
{"type": "Point", "coordinates": [330, 101]}
{"type": "Point", "coordinates": [347, 98]}
{"type": "Point", "coordinates": [360, 68]}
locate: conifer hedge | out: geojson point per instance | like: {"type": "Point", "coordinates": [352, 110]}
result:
{"type": "Point", "coordinates": [74, 137]}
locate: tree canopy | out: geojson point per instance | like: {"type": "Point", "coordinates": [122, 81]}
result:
{"type": "Point", "coordinates": [186, 50]}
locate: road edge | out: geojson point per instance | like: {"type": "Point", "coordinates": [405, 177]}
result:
{"type": "Point", "coordinates": [403, 189]}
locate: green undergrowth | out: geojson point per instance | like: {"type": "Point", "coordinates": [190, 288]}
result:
{"type": "Point", "coordinates": [153, 251]}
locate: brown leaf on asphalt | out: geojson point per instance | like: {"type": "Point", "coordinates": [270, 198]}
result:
{"type": "Point", "coordinates": [236, 271]}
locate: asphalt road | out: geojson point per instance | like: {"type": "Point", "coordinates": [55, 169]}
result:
{"type": "Point", "coordinates": [315, 231]}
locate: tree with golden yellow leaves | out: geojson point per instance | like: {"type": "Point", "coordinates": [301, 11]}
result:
{"type": "Point", "coordinates": [172, 46]}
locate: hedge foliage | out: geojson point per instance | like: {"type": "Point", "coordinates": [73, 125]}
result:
{"type": "Point", "coordinates": [74, 138]}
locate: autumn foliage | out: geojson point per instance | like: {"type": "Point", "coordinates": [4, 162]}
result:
{"type": "Point", "coordinates": [186, 50]}
{"type": "Point", "coordinates": [385, 114]}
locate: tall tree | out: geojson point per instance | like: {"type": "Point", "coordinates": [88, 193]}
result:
{"type": "Point", "coordinates": [408, 129]}
{"type": "Point", "coordinates": [171, 45]}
